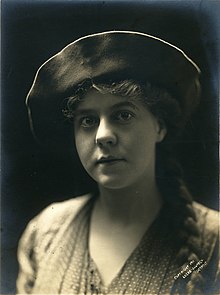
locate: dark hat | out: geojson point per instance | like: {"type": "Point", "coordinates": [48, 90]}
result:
{"type": "Point", "coordinates": [109, 56]}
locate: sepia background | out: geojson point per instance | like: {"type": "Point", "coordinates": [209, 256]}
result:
{"type": "Point", "coordinates": [32, 31]}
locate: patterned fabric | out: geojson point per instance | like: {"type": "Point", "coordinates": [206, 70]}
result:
{"type": "Point", "coordinates": [54, 256]}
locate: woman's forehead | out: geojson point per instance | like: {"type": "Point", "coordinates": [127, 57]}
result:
{"type": "Point", "coordinates": [95, 100]}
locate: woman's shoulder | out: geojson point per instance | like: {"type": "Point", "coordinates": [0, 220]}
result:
{"type": "Point", "coordinates": [50, 219]}
{"type": "Point", "coordinates": [62, 209]}
{"type": "Point", "coordinates": [40, 237]}
{"type": "Point", "coordinates": [208, 223]}
{"type": "Point", "coordinates": [206, 217]}
{"type": "Point", "coordinates": [58, 213]}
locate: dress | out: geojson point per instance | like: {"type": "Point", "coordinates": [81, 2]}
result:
{"type": "Point", "coordinates": [54, 258]}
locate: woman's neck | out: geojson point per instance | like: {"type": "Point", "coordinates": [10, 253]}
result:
{"type": "Point", "coordinates": [133, 205]}
{"type": "Point", "coordinates": [118, 222]}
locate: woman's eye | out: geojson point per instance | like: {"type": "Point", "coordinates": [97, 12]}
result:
{"type": "Point", "coordinates": [88, 122]}
{"type": "Point", "coordinates": [124, 116]}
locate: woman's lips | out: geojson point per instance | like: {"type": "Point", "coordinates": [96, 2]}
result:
{"type": "Point", "coordinates": [109, 160]}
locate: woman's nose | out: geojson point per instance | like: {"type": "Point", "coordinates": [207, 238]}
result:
{"type": "Point", "coordinates": [105, 135]}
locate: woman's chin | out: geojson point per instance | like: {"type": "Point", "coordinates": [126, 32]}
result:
{"type": "Point", "coordinates": [112, 182]}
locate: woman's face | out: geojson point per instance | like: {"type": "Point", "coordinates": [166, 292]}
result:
{"type": "Point", "coordinates": [115, 138]}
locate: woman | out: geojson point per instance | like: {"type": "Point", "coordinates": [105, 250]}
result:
{"type": "Point", "coordinates": [120, 99]}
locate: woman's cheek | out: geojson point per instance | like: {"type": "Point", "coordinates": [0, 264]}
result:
{"type": "Point", "coordinates": [79, 146]}
{"type": "Point", "coordinates": [84, 148]}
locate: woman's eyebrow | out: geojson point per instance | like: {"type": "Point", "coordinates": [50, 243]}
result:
{"type": "Point", "coordinates": [79, 112]}
{"type": "Point", "coordinates": [84, 111]}
{"type": "Point", "coordinates": [125, 104]}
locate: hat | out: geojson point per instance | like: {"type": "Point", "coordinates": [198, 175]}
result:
{"type": "Point", "coordinates": [109, 56]}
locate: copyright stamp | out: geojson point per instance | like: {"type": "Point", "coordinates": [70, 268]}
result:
{"type": "Point", "coordinates": [192, 266]}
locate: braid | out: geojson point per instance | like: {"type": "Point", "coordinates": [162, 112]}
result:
{"type": "Point", "coordinates": [179, 200]}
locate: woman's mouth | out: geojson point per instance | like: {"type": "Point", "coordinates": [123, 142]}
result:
{"type": "Point", "coordinates": [109, 160]}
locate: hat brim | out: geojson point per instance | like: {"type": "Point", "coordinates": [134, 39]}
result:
{"type": "Point", "coordinates": [109, 57]}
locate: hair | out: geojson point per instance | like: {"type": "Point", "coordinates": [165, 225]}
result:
{"type": "Point", "coordinates": [169, 175]}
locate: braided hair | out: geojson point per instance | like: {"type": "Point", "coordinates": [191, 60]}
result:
{"type": "Point", "coordinates": [169, 175]}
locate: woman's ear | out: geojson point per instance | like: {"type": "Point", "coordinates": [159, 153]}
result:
{"type": "Point", "coordinates": [161, 131]}
{"type": "Point", "coordinates": [161, 134]}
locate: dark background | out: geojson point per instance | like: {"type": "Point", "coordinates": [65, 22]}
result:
{"type": "Point", "coordinates": [32, 31]}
